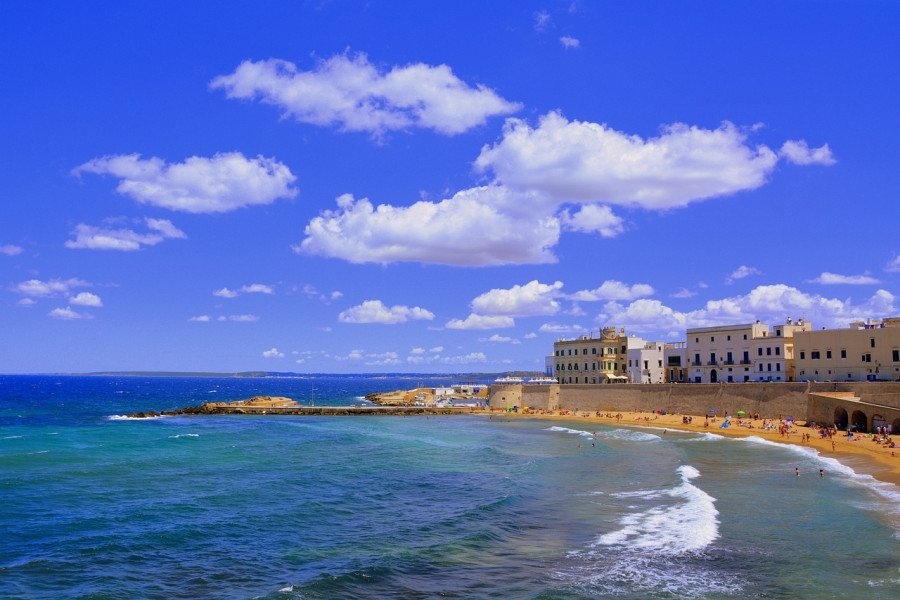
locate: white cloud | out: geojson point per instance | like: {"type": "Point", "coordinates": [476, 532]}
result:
{"type": "Point", "coordinates": [273, 353]}
{"type": "Point", "coordinates": [437, 349]}
{"type": "Point", "coordinates": [351, 93]}
{"type": "Point", "coordinates": [569, 42]}
{"type": "Point", "coordinates": [799, 153]}
{"type": "Point", "coordinates": [559, 175]}
{"type": "Point", "coordinates": [223, 183]}
{"type": "Point", "coordinates": [473, 228]}
{"type": "Point", "coordinates": [374, 311]}
{"type": "Point", "coordinates": [26, 302]}
{"type": "Point", "coordinates": [613, 290]}
{"type": "Point", "coordinates": [255, 288]}
{"type": "Point", "coordinates": [530, 336]}
{"type": "Point", "coordinates": [827, 278]}
{"type": "Point", "coordinates": [239, 318]}
{"type": "Point", "coordinates": [67, 314]}
{"type": "Point", "coordinates": [101, 238]}
{"type": "Point", "coordinates": [541, 20]}
{"type": "Point", "coordinates": [311, 292]}
{"type": "Point", "coordinates": [893, 266]}
{"type": "Point", "coordinates": [474, 321]}
{"type": "Point", "coordinates": [200, 319]}
{"type": "Point", "coordinates": [742, 272]}
{"type": "Point", "coordinates": [417, 351]}
{"type": "Point", "coordinates": [86, 299]}
{"type": "Point", "coordinates": [10, 249]}
{"type": "Point", "coordinates": [500, 339]}
{"type": "Point", "coordinates": [533, 298]}
{"type": "Point", "coordinates": [560, 328]}
{"type": "Point", "coordinates": [683, 293]}
{"type": "Point", "coordinates": [593, 218]}
{"type": "Point", "coordinates": [591, 163]}
{"type": "Point", "coordinates": [50, 288]}
{"type": "Point", "coordinates": [769, 303]}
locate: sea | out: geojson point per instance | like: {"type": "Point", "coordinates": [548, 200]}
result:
{"type": "Point", "coordinates": [96, 505]}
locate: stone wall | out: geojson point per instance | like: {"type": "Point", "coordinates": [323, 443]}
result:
{"type": "Point", "coordinates": [770, 400]}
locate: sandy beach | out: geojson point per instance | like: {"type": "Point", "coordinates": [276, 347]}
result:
{"type": "Point", "coordinates": [859, 452]}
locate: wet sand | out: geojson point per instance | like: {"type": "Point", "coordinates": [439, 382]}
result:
{"type": "Point", "coordinates": [860, 453]}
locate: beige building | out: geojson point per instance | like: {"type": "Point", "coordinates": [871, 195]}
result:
{"type": "Point", "coordinates": [592, 360]}
{"type": "Point", "coordinates": [675, 357]}
{"type": "Point", "coordinates": [742, 353]}
{"type": "Point", "coordinates": [866, 351]}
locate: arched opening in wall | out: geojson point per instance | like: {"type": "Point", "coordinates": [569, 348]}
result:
{"type": "Point", "coordinates": [877, 422]}
{"type": "Point", "coordinates": [895, 426]}
{"type": "Point", "coordinates": [713, 376]}
{"type": "Point", "coordinates": [840, 418]}
{"type": "Point", "coordinates": [859, 421]}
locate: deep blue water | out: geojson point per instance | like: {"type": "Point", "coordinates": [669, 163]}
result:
{"type": "Point", "coordinates": [410, 507]}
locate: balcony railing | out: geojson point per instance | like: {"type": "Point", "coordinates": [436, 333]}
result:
{"type": "Point", "coordinates": [712, 363]}
{"type": "Point", "coordinates": [746, 362]}
{"type": "Point", "coordinates": [727, 362]}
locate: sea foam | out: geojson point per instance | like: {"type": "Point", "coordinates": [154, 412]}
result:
{"type": "Point", "coordinates": [687, 525]}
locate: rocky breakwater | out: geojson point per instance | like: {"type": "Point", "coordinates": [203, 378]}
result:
{"type": "Point", "coordinates": [254, 405]}
{"type": "Point", "coordinates": [273, 405]}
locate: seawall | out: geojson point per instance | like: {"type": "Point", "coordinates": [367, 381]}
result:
{"type": "Point", "coordinates": [801, 400]}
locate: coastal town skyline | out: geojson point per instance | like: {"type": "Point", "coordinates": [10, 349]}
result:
{"type": "Point", "coordinates": [397, 187]}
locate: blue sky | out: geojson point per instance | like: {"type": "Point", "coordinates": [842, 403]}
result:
{"type": "Point", "coordinates": [435, 187]}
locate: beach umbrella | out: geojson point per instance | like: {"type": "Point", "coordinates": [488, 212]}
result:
{"type": "Point", "coordinates": [740, 412]}
{"type": "Point", "coordinates": [712, 410]}
{"type": "Point", "coordinates": [728, 418]}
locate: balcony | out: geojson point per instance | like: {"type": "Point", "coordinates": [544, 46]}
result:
{"type": "Point", "coordinates": [727, 362]}
{"type": "Point", "coordinates": [746, 362]}
{"type": "Point", "coordinates": [712, 363]}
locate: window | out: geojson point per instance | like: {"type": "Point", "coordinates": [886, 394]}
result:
{"type": "Point", "coordinates": [760, 366]}
{"type": "Point", "coordinates": [768, 352]}
{"type": "Point", "coordinates": [646, 365]}
{"type": "Point", "coordinates": [828, 354]}
{"type": "Point", "coordinates": [584, 351]}
{"type": "Point", "coordinates": [802, 355]}
{"type": "Point", "coordinates": [872, 341]}
{"type": "Point", "coordinates": [814, 355]}
{"type": "Point", "coordinates": [843, 354]}
{"type": "Point", "coordinates": [895, 355]}
{"type": "Point", "coordinates": [712, 338]}
{"type": "Point", "coordinates": [593, 351]}
{"type": "Point", "coordinates": [696, 359]}
{"type": "Point", "coordinates": [696, 340]}
{"type": "Point", "coordinates": [728, 338]}
{"type": "Point", "coordinates": [777, 366]}
{"type": "Point", "coordinates": [768, 366]}
{"type": "Point", "coordinates": [778, 351]}
{"type": "Point", "coordinates": [745, 336]}
{"type": "Point", "coordinates": [778, 332]}
{"type": "Point", "coordinates": [759, 351]}
{"type": "Point", "coordinates": [746, 356]}
{"type": "Point", "coordinates": [867, 358]}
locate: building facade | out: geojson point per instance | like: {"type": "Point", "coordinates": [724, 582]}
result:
{"type": "Point", "coordinates": [675, 359]}
{"type": "Point", "coordinates": [592, 360]}
{"type": "Point", "coordinates": [740, 353]}
{"type": "Point", "coordinates": [866, 351]}
{"type": "Point", "coordinates": [645, 363]}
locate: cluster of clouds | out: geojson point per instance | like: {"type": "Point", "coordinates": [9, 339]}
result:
{"type": "Point", "coordinates": [354, 95]}
{"type": "Point", "coordinates": [90, 237]}
{"type": "Point", "coordinates": [253, 288]}
{"type": "Point", "coordinates": [558, 176]}
{"type": "Point", "coordinates": [416, 356]}
{"type": "Point", "coordinates": [33, 290]}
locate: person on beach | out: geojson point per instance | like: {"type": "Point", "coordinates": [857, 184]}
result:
{"type": "Point", "coordinates": [797, 469]}
{"type": "Point", "coordinates": [822, 473]}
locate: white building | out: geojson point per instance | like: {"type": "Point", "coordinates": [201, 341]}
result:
{"type": "Point", "coordinates": [645, 362]}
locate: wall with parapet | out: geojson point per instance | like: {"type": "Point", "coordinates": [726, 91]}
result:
{"type": "Point", "coordinates": [770, 400]}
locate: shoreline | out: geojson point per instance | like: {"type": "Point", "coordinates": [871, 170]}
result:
{"type": "Point", "coordinates": [863, 456]}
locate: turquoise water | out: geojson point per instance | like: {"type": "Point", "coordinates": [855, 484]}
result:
{"type": "Point", "coordinates": [96, 506]}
